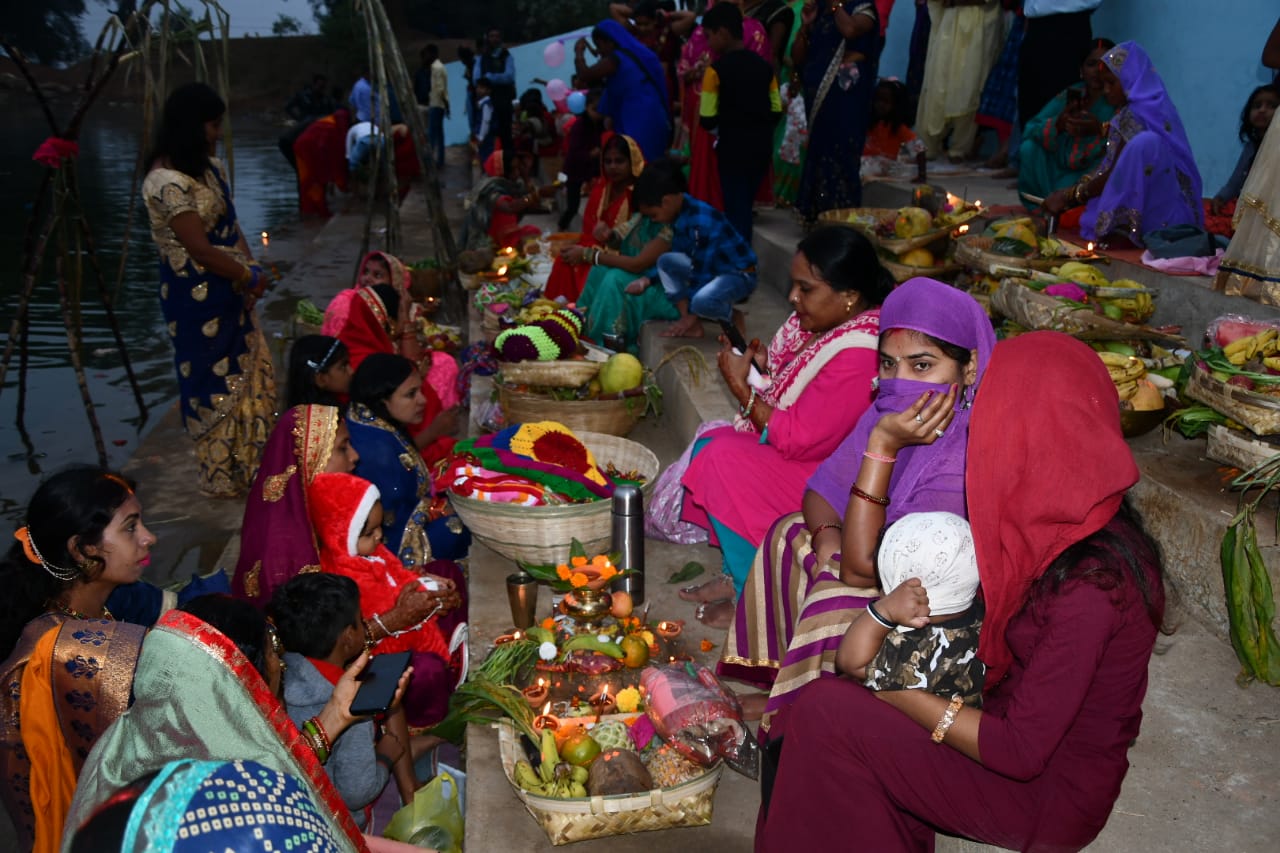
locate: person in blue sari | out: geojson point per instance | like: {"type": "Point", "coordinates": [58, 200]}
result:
{"type": "Point", "coordinates": [209, 283]}
{"type": "Point", "coordinates": [635, 87]}
{"type": "Point", "coordinates": [417, 525]}
{"type": "Point", "coordinates": [836, 50]}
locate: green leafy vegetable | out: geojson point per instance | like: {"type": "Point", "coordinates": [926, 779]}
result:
{"type": "Point", "coordinates": [1195, 420]}
{"type": "Point", "coordinates": [1250, 602]}
{"type": "Point", "coordinates": [689, 571]}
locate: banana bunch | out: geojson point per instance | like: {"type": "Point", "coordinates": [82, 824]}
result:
{"type": "Point", "coordinates": [553, 778]}
{"type": "Point", "coordinates": [1137, 308]}
{"type": "Point", "coordinates": [1263, 345]}
{"type": "Point", "coordinates": [1126, 372]}
{"type": "Point", "coordinates": [538, 309]}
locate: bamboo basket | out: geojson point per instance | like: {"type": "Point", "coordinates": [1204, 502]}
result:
{"type": "Point", "coordinates": [974, 252]}
{"type": "Point", "coordinates": [866, 219]}
{"type": "Point", "coordinates": [1238, 449]}
{"type": "Point", "coordinates": [562, 373]}
{"type": "Point", "coordinates": [616, 415]}
{"type": "Point", "coordinates": [1259, 412]}
{"type": "Point", "coordinates": [567, 821]}
{"type": "Point", "coordinates": [902, 272]}
{"type": "Point", "coordinates": [1034, 310]}
{"type": "Point", "coordinates": [542, 535]}
{"type": "Point", "coordinates": [490, 325]}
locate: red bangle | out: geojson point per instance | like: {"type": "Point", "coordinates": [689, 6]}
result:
{"type": "Point", "coordinates": [867, 496]}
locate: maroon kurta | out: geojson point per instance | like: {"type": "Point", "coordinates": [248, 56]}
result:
{"type": "Point", "coordinates": [1053, 739]}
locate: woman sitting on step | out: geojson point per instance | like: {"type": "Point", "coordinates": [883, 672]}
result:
{"type": "Point", "coordinates": [743, 476]}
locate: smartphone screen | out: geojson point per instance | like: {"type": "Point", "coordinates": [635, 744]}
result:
{"type": "Point", "coordinates": [378, 684]}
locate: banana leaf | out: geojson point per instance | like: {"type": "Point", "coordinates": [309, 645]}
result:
{"type": "Point", "coordinates": [1250, 598]}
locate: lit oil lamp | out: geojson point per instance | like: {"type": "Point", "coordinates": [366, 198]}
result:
{"type": "Point", "coordinates": [266, 239]}
{"type": "Point", "coordinates": [669, 630]}
{"type": "Point", "coordinates": [963, 229]}
{"type": "Point", "coordinates": [603, 703]}
{"type": "Point", "coordinates": [977, 204]}
{"type": "Point", "coordinates": [503, 639]}
{"type": "Point", "coordinates": [1089, 246]}
{"type": "Point", "coordinates": [536, 694]}
{"type": "Point", "coordinates": [546, 721]}
{"type": "Point", "coordinates": [501, 271]}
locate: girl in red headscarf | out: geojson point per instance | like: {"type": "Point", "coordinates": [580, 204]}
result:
{"type": "Point", "coordinates": [608, 206]}
{"type": "Point", "coordinates": [1074, 597]}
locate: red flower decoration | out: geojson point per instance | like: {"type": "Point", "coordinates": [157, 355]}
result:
{"type": "Point", "coordinates": [54, 150]}
{"type": "Point", "coordinates": [559, 448]}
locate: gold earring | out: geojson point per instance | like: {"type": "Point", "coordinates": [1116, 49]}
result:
{"type": "Point", "coordinates": [848, 308]}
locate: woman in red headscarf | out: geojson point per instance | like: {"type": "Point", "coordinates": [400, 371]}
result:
{"type": "Point", "coordinates": [1074, 598]}
{"type": "Point", "coordinates": [608, 206]}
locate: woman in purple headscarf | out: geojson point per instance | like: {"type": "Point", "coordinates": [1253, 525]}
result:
{"type": "Point", "coordinates": [905, 455]}
{"type": "Point", "coordinates": [1148, 179]}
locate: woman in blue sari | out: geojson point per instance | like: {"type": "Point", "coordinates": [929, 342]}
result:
{"type": "Point", "coordinates": [1148, 179]}
{"type": "Point", "coordinates": [208, 286]}
{"type": "Point", "coordinates": [635, 86]}
{"type": "Point", "coordinates": [836, 50]}
{"type": "Point", "coordinates": [416, 524]}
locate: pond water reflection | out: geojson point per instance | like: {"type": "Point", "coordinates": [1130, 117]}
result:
{"type": "Point", "coordinates": [265, 195]}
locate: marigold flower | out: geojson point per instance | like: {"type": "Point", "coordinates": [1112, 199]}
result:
{"type": "Point", "coordinates": [578, 562]}
{"type": "Point", "coordinates": [608, 572]}
{"type": "Point", "coordinates": [562, 572]}
{"type": "Point", "coordinates": [549, 623]}
{"type": "Point", "coordinates": [600, 561]}
{"type": "Point", "coordinates": [628, 699]}
{"type": "Point", "coordinates": [578, 579]}
{"type": "Point", "coordinates": [706, 645]}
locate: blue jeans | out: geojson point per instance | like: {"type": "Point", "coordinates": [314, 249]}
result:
{"type": "Point", "coordinates": [713, 300]}
{"type": "Point", "coordinates": [435, 132]}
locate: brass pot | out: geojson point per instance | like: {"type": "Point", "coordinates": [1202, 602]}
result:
{"type": "Point", "coordinates": [588, 607]}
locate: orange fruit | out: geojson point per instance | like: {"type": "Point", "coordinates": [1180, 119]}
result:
{"type": "Point", "coordinates": [635, 651]}
{"type": "Point", "coordinates": [622, 604]}
{"type": "Point", "coordinates": [580, 749]}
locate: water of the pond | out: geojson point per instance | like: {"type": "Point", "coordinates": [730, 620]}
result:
{"type": "Point", "coordinates": [56, 423]}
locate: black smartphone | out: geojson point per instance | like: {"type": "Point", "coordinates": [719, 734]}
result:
{"type": "Point", "coordinates": [734, 337]}
{"type": "Point", "coordinates": [378, 684]}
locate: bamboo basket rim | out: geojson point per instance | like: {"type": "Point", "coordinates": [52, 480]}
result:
{"type": "Point", "coordinates": [562, 373]}
{"type": "Point", "coordinates": [1259, 412]}
{"type": "Point", "coordinates": [603, 816]}
{"type": "Point", "coordinates": [974, 251]}
{"type": "Point", "coordinates": [1013, 299]}
{"type": "Point", "coordinates": [616, 414]}
{"type": "Point", "coordinates": [902, 272]}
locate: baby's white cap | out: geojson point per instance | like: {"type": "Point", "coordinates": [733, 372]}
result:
{"type": "Point", "coordinates": [937, 548]}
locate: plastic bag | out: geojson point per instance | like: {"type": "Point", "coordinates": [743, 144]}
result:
{"type": "Point", "coordinates": [1231, 327]}
{"type": "Point", "coordinates": [702, 720]}
{"type": "Point", "coordinates": [433, 819]}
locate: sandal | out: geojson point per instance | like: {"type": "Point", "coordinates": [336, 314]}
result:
{"type": "Point", "coordinates": [707, 592]}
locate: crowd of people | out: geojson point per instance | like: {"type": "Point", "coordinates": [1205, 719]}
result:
{"type": "Point", "coordinates": [926, 539]}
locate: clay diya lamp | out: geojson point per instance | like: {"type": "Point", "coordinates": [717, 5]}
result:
{"type": "Point", "coordinates": [503, 639]}
{"type": "Point", "coordinates": [669, 630]}
{"type": "Point", "coordinates": [536, 694]}
{"type": "Point", "coordinates": [546, 721]}
{"type": "Point", "coordinates": [603, 703]}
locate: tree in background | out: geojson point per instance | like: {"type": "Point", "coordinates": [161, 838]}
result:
{"type": "Point", "coordinates": [286, 25]}
{"type": "Point", "coordinates": [46, 30]}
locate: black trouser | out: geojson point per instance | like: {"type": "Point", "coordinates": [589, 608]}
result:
{"type": "Point", "coordinates": [1052, 51]}
{"type": "Point", "coordinates": [503, 112]}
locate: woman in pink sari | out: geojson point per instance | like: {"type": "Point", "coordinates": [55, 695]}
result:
{"type": "Point", "coordinates": [742, 477]}
{"type": "Point", "coordinates": [704, 176]}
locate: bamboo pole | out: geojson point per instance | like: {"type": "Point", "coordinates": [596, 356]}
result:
{"type": "Point", "coordinates": [73, 347]}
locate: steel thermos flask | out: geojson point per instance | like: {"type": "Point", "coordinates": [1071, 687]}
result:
{"type": "Point", "coordinates": [628, 540]}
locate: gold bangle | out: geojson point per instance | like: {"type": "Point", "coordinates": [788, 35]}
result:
{"type": "Point", "coordinates": [948, 718]}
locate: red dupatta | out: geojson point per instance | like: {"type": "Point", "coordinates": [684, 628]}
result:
{"type": "Point", "coordinates": [1030, 493]}
{"type": "Point", "coordinates": [320, 155]}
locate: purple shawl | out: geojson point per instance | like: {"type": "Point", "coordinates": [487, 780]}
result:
{"type": "Point", "coordinates": [276, 540]}
{"type": "Point", "coordinates": [927, 477]}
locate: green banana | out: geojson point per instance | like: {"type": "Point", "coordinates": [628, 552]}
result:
{"type": "Point", "coordinates": [525, 776]}
{"type": "Point", "coordinates": [540, 634]}
{"type": "Point", "coordinates": [591, 642]}
{"type": "Point", "coordinates": [550, 756]}
{"type": "Point", "coordinates": [577, 789]}
{"type": "Point", "coordinates": [579, 774]}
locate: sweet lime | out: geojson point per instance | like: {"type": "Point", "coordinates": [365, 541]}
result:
{"type": "Point", "coordinates": [580, 749]}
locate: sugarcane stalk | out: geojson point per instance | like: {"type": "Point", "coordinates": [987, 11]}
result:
{"type": "Point", "coordinates": [73, 347]}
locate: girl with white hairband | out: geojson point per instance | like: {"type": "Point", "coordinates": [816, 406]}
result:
{"type": "Point", "coordinates": [923, 634]}
{"type": "Point", "coordinates": [319, 372]}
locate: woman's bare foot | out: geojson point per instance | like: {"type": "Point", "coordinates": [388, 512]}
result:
{"type": "Point", "coordinates": [688, 326]}
{"type": "Point", "coordinates": [716, 614]}
{"type": "Point", "coordinates": [716, 589]}
{"type": "Point", "coordinates": [753, 705]}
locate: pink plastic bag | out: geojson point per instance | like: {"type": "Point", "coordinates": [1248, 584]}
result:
{"type": "Point", "coordinates": [662, 515]}
{"type": "Point", "coordinates": [702, 720]}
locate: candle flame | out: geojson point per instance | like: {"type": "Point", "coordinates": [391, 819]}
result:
{"type": "Point", "coordinates": [541, 682]}
{"type": "Point", "coordinates": [977, 204]}
{"type": "Point", "coordinates": [517, 635]}
{"type": "Point", "coordinates": [1089, 246]}
{"type": "Point", "coordinates": [546, 709]}
{"type": "Point", "coordinates": [265, 238]}
{"type": "Point", "coordinates": [964, 229]}
{"type": "Point", "coordinates": [502, 270]}
{"type": "Point", "coordinates": [604, 693]}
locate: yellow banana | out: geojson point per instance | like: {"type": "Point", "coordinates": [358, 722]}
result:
{"type": "Point", "coordinates": [1127, 390]}
{"type": "Point", "coordinates": [1272, 361]}
{"type": "Point", "coordinates": [550, 756]}
{"type": "Point", "coordinates": [1240, 351]}
{"type": "Point", "coordinates": [1123, 368]}
{"type": "Point", "coordinates": [525, 776]}
{"type": "Point", "coordinates": [1268, 342]}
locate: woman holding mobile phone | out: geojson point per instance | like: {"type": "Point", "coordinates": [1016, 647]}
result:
{"type": "Point", "coordinates": [742, 476]}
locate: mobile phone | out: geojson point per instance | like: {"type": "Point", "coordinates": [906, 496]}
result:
{"type": "Point", "coordinates": [378, 684]}
{"type": "Point", "coordinates": [756, 374]}
{"type": "Point", "coordinates": [430, 584]}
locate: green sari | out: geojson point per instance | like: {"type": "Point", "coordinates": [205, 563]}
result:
{"type": "Point", "coordinates": [609, 309]}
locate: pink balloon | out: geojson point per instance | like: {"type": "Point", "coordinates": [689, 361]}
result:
{"type": "Point", "coordinates": [553, 54]}
{"type": "Point", "coordinates": [557, 90]}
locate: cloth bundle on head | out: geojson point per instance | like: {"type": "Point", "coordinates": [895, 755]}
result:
{"type": "Point", "coordinates": [925, 477]}
{"type": "Point", "coordinates": [937, 548]}
{"type": "Point", "coordinates": [339, 505]}
{"type": "Point", "coordinates": [1029, 500]}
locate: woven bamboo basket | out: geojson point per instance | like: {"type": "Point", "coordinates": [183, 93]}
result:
{"type": "Point", "coordinates": [542, 535]}
{"type": "Point", "coordinates": [616, 415]}
{"type": "Point", "coordinates": [902, 272]}
{"type": "Point", "coordinates": [1240, 449]}
{"type": "Point", "coordinates": [490, 325]}
{"type": "Point", "coordinates": [1259, 412]}
{"type": "Point", "coordinates": [563, 373]}
{"type": "Point", "coordinates": [469, 280]}
{"type": "Point", "coordinates": [974, 252]}
{"type": "Point", "coordinates": [865, 219]}
{"type": "Point", "coordinates": [567, 821]}
{"type": "Point", "coordinates": [1032, 309]}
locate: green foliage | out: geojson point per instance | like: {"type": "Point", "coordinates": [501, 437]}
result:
{"type": "Point", "coordinates": [537, 18]}
{"type": "Point", "coordinates": [286, 25]}
{"type": "Point", "coordinates": [342, 26]}
{"type": "Point", "coordinates": [47, 31]}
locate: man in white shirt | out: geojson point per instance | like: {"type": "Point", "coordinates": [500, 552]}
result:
{"type": "Point", "coordinates": [1058, 38]}
{"type": "Point", "coordinates": [437, 100]}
